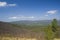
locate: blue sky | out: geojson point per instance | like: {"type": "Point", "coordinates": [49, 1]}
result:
{"type": "Point", "coordinates": [15, 10]}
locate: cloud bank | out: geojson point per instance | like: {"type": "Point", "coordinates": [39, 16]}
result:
{"type": "Point", "coordinates": [22, 17]}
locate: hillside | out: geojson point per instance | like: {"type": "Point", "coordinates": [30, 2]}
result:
{"type": "Point", "coordinates": [7, 29]}
{"type": "Point", "coordinates": [10, 29]}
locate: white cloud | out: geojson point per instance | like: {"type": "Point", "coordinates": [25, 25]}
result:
{"type": "Point", "coordinates": [11, 4]}
{"type": "Point", "coordinates": [12, 18]}
{"type": "Point", "coordinates": [4, 4]}
{"type": "Point", "coordinates": [52, 12]}
{"type": "Point", "coordinates": [26, 17]}
{"type": "Point", "coordinates": [21, 17]}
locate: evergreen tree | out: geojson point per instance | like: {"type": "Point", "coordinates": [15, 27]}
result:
{"type": "Point", "coordinates": [51, 30]}
{"type": "Point", "coordinates": [54, 25]}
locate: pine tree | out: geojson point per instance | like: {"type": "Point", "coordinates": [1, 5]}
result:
{"type": "Point", "coordinates": [54, 25]}
{"type": "Point", "coordinates": [51, 30]}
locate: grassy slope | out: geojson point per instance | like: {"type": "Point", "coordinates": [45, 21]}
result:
{"type": "Point", "coordinates": [7, 29]}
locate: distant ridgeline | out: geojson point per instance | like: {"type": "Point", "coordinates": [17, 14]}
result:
{"type": "Point", "coordinates": [38, 22]}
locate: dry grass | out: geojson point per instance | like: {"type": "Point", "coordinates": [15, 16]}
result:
{"type": "Point", "coordinates": [56, 38]}
{"type": "Point", "coordinates": [16, 38]}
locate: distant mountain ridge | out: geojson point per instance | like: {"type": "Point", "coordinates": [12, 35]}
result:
{"type": "Point", "coordinates": [40, 22]}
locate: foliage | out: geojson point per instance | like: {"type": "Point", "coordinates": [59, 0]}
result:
{"type": "Point", "coordinates": [51, 30]}
{"type": "Point", "coordinates": [54, 25]}
{"type": "Point", "coordinates": [49, 33]}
